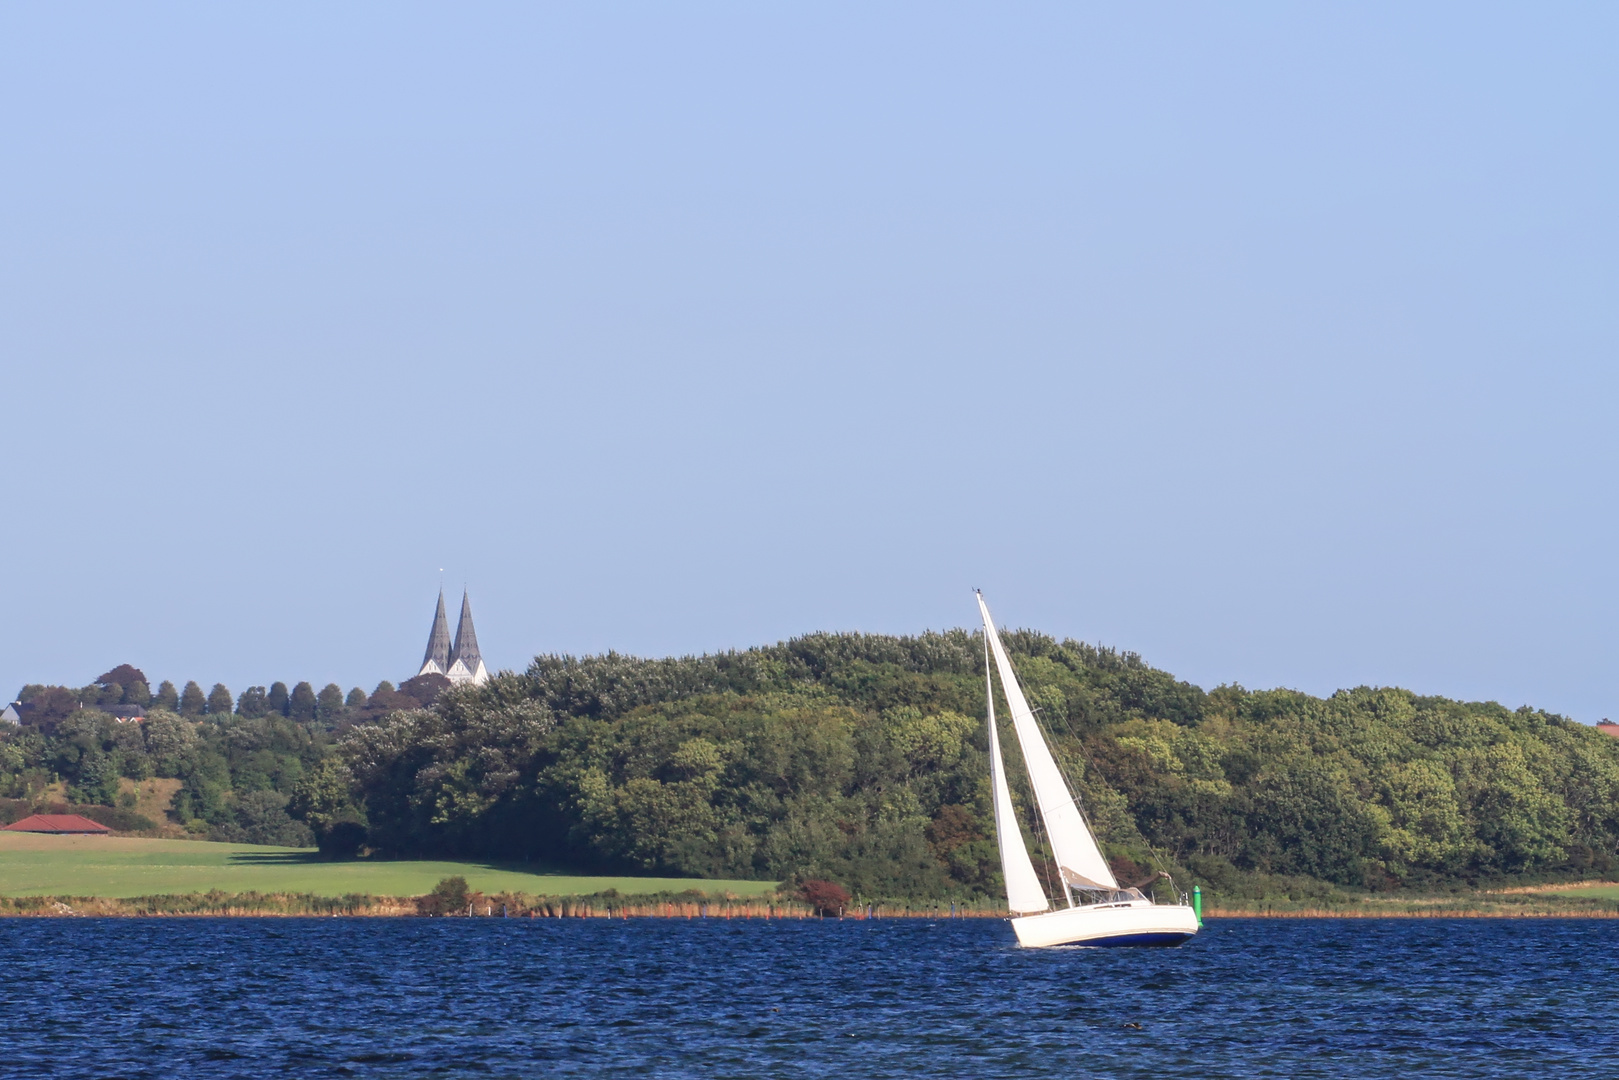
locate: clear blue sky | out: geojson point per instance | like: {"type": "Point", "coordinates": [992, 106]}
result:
{"type": "Point", "coordinates": [1274, 342]}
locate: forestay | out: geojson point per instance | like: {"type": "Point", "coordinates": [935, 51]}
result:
{"type": "Point", "coordinates": [1078, 858]}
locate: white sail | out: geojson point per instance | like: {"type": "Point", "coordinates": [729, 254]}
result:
{"type": "Point", "coordinates": [1078, 858]}
{"type": "Point", "coordinates": [1023, 891]}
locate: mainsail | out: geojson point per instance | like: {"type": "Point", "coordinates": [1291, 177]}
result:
{"type": "Point", "coordinates": [1023, 891]}
{"type": "Point", "coordinates": [1078, 858]}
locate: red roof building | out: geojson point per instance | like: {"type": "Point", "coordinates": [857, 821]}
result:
{"type": "Point", "coordinates": [1608, 727]}
{"type": "Point", "coordinates": [57, 823]}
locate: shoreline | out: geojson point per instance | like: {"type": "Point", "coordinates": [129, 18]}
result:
{"type": "Point", "coordinates": [519, 906]}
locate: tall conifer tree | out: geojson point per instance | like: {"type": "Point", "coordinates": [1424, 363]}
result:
{"type": "Point", "coordinates": [192, 701]}
{"type": "Point", "coordinates": [220, 701]}
{"type": "Point", "coordinates": [301, 706]}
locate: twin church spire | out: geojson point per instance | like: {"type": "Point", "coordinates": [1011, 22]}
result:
{"type": "Point", "coordinates": [461, 662]}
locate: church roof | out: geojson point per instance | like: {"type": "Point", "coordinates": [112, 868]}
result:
{"type": "Point", "coordinates": [438, 642]}
{"type": "Point", "coordinates": [466, 640]}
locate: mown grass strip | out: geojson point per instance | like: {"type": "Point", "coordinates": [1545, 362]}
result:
{"type": "Point", "coordinates": [128, 867]}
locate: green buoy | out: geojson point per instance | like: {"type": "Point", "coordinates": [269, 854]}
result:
{"type": "Point", "coordinates": [1197, 903]}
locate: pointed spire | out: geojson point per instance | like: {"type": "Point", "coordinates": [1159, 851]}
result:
{"type": "Point", "coordinates": [465, 655]}
{"type": "Point", "coordinates": [437, 658]}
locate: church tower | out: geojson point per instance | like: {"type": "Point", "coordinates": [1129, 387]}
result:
{"type": "Point", "coordinates": [466, 663]}
{"type": "Point", "coordinates": [437, 659]}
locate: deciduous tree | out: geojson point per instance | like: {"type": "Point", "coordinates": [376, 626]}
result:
{"type": "Point", "coordinates": [252, 704]}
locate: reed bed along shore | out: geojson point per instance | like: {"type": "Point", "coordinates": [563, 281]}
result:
{"type": "Point", "coordinates": [686, 906]}
{"type": "Point", "coordinates": [1430, 913]}
{"type": "Point", "coordinates": [501, 905]}
{"type": "Point", "coordinates": [1488, 906]}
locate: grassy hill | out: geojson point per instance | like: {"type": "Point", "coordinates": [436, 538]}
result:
{"type": "Point", "coordinates": [121, 867]}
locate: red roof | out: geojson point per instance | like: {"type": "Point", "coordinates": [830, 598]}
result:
{"type": "Point", "coordinates": [57, 823]}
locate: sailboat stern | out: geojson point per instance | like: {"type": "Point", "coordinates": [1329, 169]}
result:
{"type": "Point", "coordinates": [1104, 925]}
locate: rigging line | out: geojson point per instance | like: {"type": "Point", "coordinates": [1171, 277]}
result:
{"type": "Point", "coordinates": [1067, 775]}
{"type": "Point", "coordinates": [1158, 857]}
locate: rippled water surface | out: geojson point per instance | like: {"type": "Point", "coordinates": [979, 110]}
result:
{"type": "Point", "coordinates": [492, 997]}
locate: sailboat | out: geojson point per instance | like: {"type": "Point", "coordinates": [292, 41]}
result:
{"type": "Point", "coordinates": [1104, 913]}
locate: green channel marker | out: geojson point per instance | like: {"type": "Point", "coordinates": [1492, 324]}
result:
{"type": "Point", "coordinates": [1197, 903]}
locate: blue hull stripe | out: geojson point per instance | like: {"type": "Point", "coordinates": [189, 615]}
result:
{"type": "Point", "coordinates": [1136, 939]}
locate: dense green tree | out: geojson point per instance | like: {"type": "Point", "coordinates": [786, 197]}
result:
{"type": "Point", "coordinates": [301, 705]}
{"type": "Point", "coordinates": [356, 699]}
{"type": "Point", "coordinates": [169, 738]}
{"type": "Point", "coordinates": [123, 675]}
{"type": "Point", "coordinates": [167, 697]}
{"type": "Point", "coordinates": [385, 699]}
{"type": "Point", "coordinates": [424, 689]}
{"type": "Point", "coordinates": [252, 703]}
{"type": "Point", "coordinates": [220, 702]}
{"type": "Point", "coordinates": [192, 700]}
{"type": "Point", "coordinates": [49, 705]}
{"type": "Point", "coordinates": [278, 698]}
{"type": "Point", "coordinates": [329, 707]}
{"type": "Point", "coordinates": [96, 779]}
{"type": "Point", "coordinates": [324, 800]}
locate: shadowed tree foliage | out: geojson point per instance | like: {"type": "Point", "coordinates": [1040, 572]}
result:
{"type": "Point", "coordinates": [167, 697]}
{"type": "Point", "coordinates": [220, 702]}
{"type": "Point", "coordinates": [123, 675]}
{"type": "Point", "coordinates": [48, 705]}
{"type": "Point", "coordinates": [329, 707]}
{"type": "Point", "coordinates": [424, 689]}
{"type": "Point", "coordinates": [252, 703]}
{"type": "Point", "coordinates": [276, 698]}
{"type": "Point", "coordinates": [301, 705]}
{"type": "Point", "coordinates": [192, 700]}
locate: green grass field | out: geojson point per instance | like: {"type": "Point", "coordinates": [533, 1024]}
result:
{"type": "Point", "coordinates": [1596, 892]}
{"type": "Point", "coordinates": [121, 867]}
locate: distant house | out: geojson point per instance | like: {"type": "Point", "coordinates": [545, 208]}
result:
{"type": "Point", "coordinates": [1608, 727]}
{"type": "Point", "coordinates": [127, 714]}
{"type": "Point", "coordinates": [57, 823]}
{"type": "Point", "coordinates": [12, 714]}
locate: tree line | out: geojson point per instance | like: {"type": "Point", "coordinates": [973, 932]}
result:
{"type": "Point", "coordinates": [239, 760]}
{"type": "Point", "coordinates": [128, 685]}
{"type": "Point", "coordinates": [862, 759]}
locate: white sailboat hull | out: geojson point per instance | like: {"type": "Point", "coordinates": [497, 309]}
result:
{"type": "Point", "coordinates": [1137, 923]}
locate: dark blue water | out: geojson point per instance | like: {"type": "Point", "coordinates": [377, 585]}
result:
{"type": "Point", "coordinates": [663, 998]}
